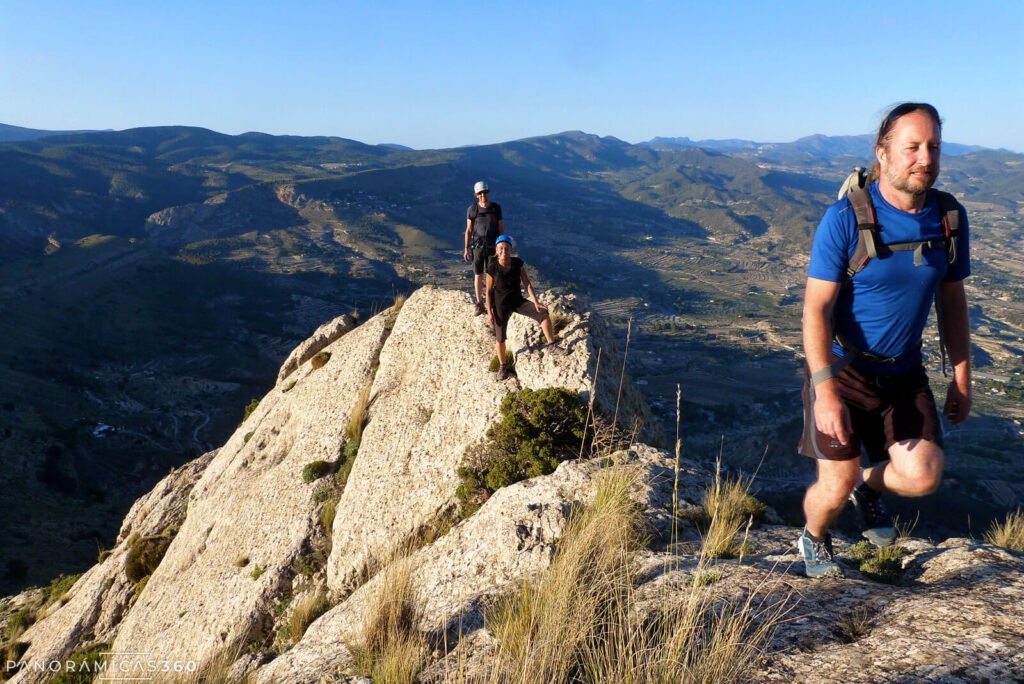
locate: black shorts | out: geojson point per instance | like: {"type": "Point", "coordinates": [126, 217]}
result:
{"type": "Point", "coordinates": [883, 410]}
{"type": "Point", "coordinates": [480, 256]}
{"type": "Point", "coordinates": [527, 308]}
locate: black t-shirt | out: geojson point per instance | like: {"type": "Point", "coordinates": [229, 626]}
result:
{"type": "Point", "coordinates": [485, 221]}
{"type": "Point", "coordinates": [508, 294]}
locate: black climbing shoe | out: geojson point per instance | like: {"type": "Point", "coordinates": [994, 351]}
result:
{"type": "Point", "coordinates": [875, 522]}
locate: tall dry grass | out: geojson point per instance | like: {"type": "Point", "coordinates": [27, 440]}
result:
{"type": "Point", "coordinates": [552, 626]}
{"type": "Point", "coordinates": [729, 508]}
{"type": "Point", "coordinates": [1009, 533]}
{"type": "Point", "coordinates": [389, 648]}
{"type": "Point", "coordinates": [311, 605]}
{"type": "Point", "coordinates": [580, 620]}
{"type": "Point", "coordinates": [360, 414]}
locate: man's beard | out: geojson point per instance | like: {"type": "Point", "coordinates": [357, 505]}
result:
{"type": "Point", "coordinates": [904, 182]}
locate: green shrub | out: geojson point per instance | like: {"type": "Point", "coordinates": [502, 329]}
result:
{"type": "Point", "coordinates": [104, 554]}
{"type": "Point", "coordinates": [144, 555]}
{"type": "Point", "coordinates": [348, 460]}
{"type": "Point", "coordinates": [885, 565]}
{"type": "Point", "coordinates": [59, 586]}
{"type": "Point", "coordinates": [248, 436]}
{"type": "Point", "coordinates": [290, 386]}
{"type": "Point", "coordinates": [322, 494]}
{"type": "Point", "coordinates": [510, 362]}
{"type": "Point", "coordinates": [315, 470]}
{"type": "Point", "coordinates": [538, 430]}
{"type": "Point", "coordinates": [15, 650]}
{"type": "Point", "coordinates": [310, 564]}
{"type": "Point", "coordinates": [320, 360]}
{"type": "Point", "coordinates": [18, 623]}
{"type": "Point", "coordinates": [85, 665]}
{"type": "Point", "coordinates": [141, 585]}
{"type": "Point", "coordinates": [704, 578]}
{"type": "Point", "coordinates": [257, 571]}
{"type": "Point", "coordinates": [861, 551]}
{"type": "Point", "coordinates": [250, 407]}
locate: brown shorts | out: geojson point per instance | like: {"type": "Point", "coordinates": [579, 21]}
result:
{"type": "Point", "coordinates": [883, 410]}
{"type": "Point", "coordinates": [527, 309]}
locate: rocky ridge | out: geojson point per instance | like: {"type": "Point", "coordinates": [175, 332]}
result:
{"type": "Point", "coordinates": [248, 538]}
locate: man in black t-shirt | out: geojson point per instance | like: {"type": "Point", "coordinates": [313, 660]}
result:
{"type": "Point", "coordinates": [483, 226]}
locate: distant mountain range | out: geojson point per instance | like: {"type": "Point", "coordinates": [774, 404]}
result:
{"type": "Point", "coordinates": [806, 148]}
{"type": "Point", "coordinates": [152, 280]}
{"type": "Point", "coordinates": [10, 133]}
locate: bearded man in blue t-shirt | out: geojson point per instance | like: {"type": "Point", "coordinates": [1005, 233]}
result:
{"type": "Point", "coordinates": [881, 400]}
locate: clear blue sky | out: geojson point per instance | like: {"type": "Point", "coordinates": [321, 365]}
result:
{"type": "Point", "coordinates": [441, 74]}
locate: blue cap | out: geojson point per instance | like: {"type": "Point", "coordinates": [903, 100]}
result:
{"type": "Point", "coordinates": [503, 238]}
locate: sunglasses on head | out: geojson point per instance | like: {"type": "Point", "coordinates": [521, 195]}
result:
{"type": "Point", "coordinates": [908, 107]}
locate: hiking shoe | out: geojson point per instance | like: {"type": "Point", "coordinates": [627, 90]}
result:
{"type": "Point", "coordinates": [479, 308]}
{"type": "Point", "coordinates": [555, 348]}
{"type": "Point", "coordinates": [503, 373]}
{"type": "Point", "coordinates": [818, 558]}
{"type": "Point", "coordinates": [875, 522]}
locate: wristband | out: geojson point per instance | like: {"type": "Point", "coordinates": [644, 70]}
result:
{"type": "Point", "coordinates": [821, 376]}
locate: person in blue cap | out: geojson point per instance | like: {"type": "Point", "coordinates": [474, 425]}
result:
{"type": "Point", "coordinates": [505, 275]}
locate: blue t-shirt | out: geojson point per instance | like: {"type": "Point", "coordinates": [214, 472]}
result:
{"type": "Point", "coordinates": [885, 308]}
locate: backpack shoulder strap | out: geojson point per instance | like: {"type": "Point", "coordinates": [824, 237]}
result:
{"type": "Point", "coordinates": [855, 190]}
{"type": "Point", "coordinates": [950, 210]}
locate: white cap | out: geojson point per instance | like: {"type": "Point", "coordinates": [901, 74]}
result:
{"type": "Point", "coordinates": [480, 186]}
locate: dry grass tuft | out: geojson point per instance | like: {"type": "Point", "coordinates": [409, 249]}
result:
{"type": "Point", "coordinates": [856, 623]}
{"type": "Point", "coordinates": [559, 319]}
{"type": "Point", "coordinates": [216, 671]}
{"type": "Point", "coordinates": [307, 608]}
{"type": "Point", "coordinates": [1008, 534]}
{"type": "Point", "coordinates": [579, 621]}
{"type": "Point", "coordinates": [360, 414]}
{"type": "Point", "coordinates": [390, 649]}
{"type": "Point", "coordinates": [327, 514]}
{"type": "Point", "coordinates": [728, 506]}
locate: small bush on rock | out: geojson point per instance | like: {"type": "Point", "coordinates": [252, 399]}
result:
{"type": "Point", "coordinates": [250, 407]}
{"type": "Point", "coordinates": [886, 565]}
{"type": "Point", "coordinates": [510, 361]}
{"type": "Point", "coordinates": [320, 360]}
{"type": "Point", "coordinates": [315, 470]}
{"type": "Point", "coordinates": [59, 586]}
{"type": "Point", "coordinates": [144, 556]}
{"type": "Point", "coordinates": [538, 430]}
{"type": "Point", "coordinates": [81, 665]}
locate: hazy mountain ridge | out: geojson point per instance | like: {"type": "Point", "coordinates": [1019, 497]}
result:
{"type": "Point", "coordinates": [809, 147]}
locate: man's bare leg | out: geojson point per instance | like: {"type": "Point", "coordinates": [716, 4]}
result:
{"type": "Point", "coordinates": [826, 498]}
{"type": "Point", "coordinates": [914, 469]}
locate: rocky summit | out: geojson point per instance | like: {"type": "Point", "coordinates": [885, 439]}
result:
{"type": "Point", "coordinates": [351, 465]}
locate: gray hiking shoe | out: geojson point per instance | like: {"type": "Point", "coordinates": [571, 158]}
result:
{"type": "Point", "coordinates": [503, 373]}
{"type": "Point", "coordinates": [555, 348]}
{"type": "Point", "coordinates": [479, 309]}
{"type": "Point", "coordinates": [875, 522]}
{"type": "Point", "coordinates": [818, 558]}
